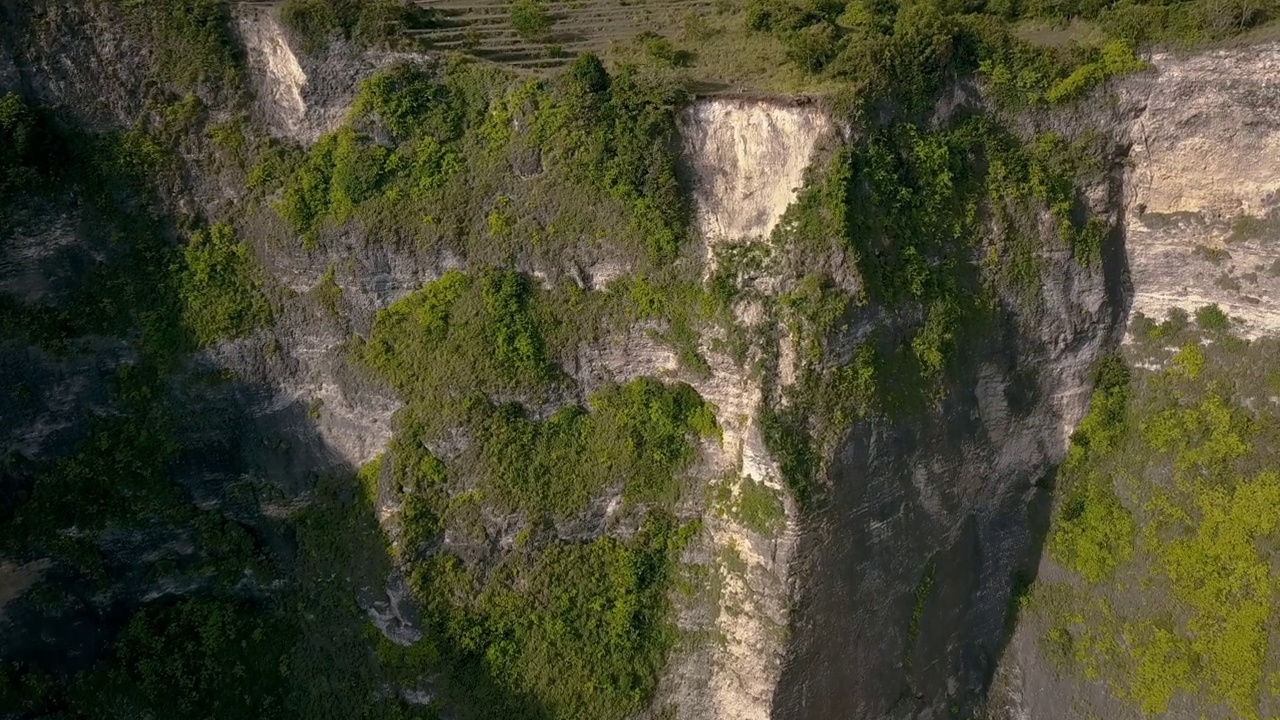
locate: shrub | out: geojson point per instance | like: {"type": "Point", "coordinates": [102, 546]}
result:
{"type": "Point", "coordinates": [24, 147]}
{"type": "Point", "coordinates": [581, 630]}
{"type": "Point", "coordinates": [662, 51]}
{"type": "Point", "coordinates": [367, 23]}
{"type": "Point", "coordinates": [636, 436]}
{"type": "Point", "coordinates": [1116, 57]}
{"type": "Point", "coordinates": [812, 48]}
{"type": "Point", "coordinates": [1210, 318]}
{"type": "Point", "coordinates": [192, 40]}
{"type": "Point", "coordinates": [759, 508]}
{"type": "Point", "coordinates": [221, 295]}
{"type": "Point", "coordinates": [343, 170]}
{"type": "Point", "coordinates": [1093, 532]}
{"type": "Point", "coordinates": [198, 658]}
{"type": "Point", "coordinates": [461, 335]}
{"type": "Point", "coordinates": [530, 19]}
{"type": "Point", "coordinates": [313, 22]}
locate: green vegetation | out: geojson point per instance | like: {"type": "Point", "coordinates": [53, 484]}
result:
{"type": "Point", "coordinates": [557, 629]}
{"type": "Point", "coordinates": [541, 596]}
{"type": "Point", "coordinates": [923, 588]}
{"type": "Point", "coordinates": [1210, 318]}
{"type": "Point", "coordinates": [1167, 508]}
{"type": "Point", "coordinates": [118, 473]}
{"type": "Point", "coordinates": [1093, 532]}
{"type": "Point", "coordinates": [904, 53]}
{"type": "Point", "coordinates": [575, 630]}
{"type": "Point", "coordinates": [221, 297]}
{"type": "Point", "coordinates": [248, 637]}
{"type": "Point", "coordinates": [191, 39]}
{"type": "Point", "coordinates": [26, 152]}
{"type": "Point", "coordinates": [914, 208]}
{"type": "Point", "coordinates": [636, 435]}
{"type": "Point", "coordinates": [462, 334]}
{"type": "Point", "coordinates": [197, 658]}
{"type": "Point", "coordinates": [530, 18]}
{"type": "Point", "coordinates": [365, 23]}
{"type": "Point", "coordinates": [591, 132]}
{"type": "Point", "coordinates": [759, 508]}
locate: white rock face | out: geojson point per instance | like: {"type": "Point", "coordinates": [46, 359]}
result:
{"type": "Point", "coordinates": [300, 96]}
{"type": "Point", "coordinates": [278, 79]}
{"type": "Point", "coordinates": [1204, 187]}
{"type": "Point", "coordinates": [748, 159]}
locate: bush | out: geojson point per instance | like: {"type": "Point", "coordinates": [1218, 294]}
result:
{"type": "Point", "coordinates": [1115, 58]}
{"type": "Point", "coordinates": [192, 40]}
{"type": "Point", "coordinates": [759, 508]}
{"type": "Point", "coordinates": [198, 658]}
{"type": "Point", "coordinates": [343, 170]}
{"type": "Point", "coordinates": [662, 51]}
{"type": "Point", "coordinates": [811, 48]}
{"type": "Point", "coordinates": [1093, 532]}
{"type": "Point", "coordinates": [314, 22]}
{"type": "Point", "coordinates": [530, 19]}
{"type": "Point", "coordinates": [1210, 318]}
{"type": "Point", "coordinates": [25, 150]}
{"type": "Point", "coordinates": [218, 284]}
{"type": "Point", "coordinates": [636, 437]}
{"type": "Point", "coordinates": [460, 335]}
{"type": "Point", "coordinates": [367, 23]}
{"type": "Point", "coordinates": [580, 630]}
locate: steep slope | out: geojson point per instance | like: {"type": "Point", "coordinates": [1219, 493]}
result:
{"type": "Point", "coordinates": [908, 568]}
{"type": "Point", "coordinates": [1201, 192]}
{"type": "Point", "coordinates": [423, 388]}
{"type": "Point", "coordinates": [1114, 625]}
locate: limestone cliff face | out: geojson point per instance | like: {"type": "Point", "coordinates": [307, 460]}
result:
{"type": "Point", "coordinates": [825, 619]}
{"type": "Point", "coordinates": [748, 159]}
{"type": "Point", "coordinates": [1203, 187]}
{"type": "Point", "coordinates": [1199, 209]}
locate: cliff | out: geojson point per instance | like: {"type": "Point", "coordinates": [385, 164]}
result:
{"type": "Point", "coordinates": [1197, 226]}
{"type": "Point", "coordinates": [854, 535]}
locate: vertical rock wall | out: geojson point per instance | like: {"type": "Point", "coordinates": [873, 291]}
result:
{"type": "Point", "coordinates": [1200, 201]}
{"type": "Point", "coordinates": [1204, 186]}
{"type": "Point", "coordinates": [746, 160]}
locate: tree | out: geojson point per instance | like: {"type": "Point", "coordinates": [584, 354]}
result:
{"type": "Point", "coordinates": [530, 19]}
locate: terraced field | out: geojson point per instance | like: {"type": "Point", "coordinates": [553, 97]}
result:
{"type": "Point", "coordinates": [484, 27]}
{"type": "Point", "coordinates": [709, 38]}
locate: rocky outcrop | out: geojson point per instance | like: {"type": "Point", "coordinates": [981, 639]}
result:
{"type": "Point", "coordinates": [277, 77]}
{"type": "Point", "coordinates": [1199, 208]}
{"type": "Point", "coordinates": [905, 576]}
{"type": "Point", "coordinates": [299, 95]}
{"type": "Point", "coordinates": [733, 150]}
{"type": "Point", "coordinates": [1203, 187]}
{"type": "Point", "coordinates": [746, 160]}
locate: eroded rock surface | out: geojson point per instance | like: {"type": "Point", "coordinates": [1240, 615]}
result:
{"type": "Point", "coordinates": [1200, 202]}
{"type": "Point", "coordinates": [1203, 188]}
{"type": "Point", "coordinates": [300, 96]}
{"type": "Point", "coordinates": [747, 159]}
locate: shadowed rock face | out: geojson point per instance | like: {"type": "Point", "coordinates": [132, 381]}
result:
{"type": "Point", "coordinates": [907, 571]}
